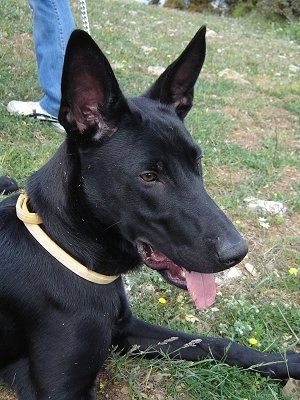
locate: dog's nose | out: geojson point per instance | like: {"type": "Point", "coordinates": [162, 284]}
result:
{"type": "Point", "coordinates": [232, 253]}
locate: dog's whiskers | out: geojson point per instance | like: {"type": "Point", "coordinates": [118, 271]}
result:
{"type": "Point", "coordinates": [111, 226]}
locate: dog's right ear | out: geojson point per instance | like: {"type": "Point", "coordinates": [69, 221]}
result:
{"type": "Point", "coordinates": [176, 85]}
{"type": "Point", "coordinates": [91, 98]}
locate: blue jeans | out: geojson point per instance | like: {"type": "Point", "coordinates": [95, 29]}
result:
{"type": "Point", "coordinates": [52, 25]}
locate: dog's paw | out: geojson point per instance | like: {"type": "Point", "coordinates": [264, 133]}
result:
{"type": "Point", "coordinates": [8, 185]}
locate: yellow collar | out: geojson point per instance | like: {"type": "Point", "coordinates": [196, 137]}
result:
{"type": "Point", "coordinates": [32, 220]}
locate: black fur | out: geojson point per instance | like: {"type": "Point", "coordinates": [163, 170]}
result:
{"type": "Point", "coordinates": [7, 185]}
{"type": "Point", "coordinates": [125, 187]}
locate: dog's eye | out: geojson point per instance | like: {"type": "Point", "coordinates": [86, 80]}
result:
{"type": "Point", "coordinates": [149, 176]}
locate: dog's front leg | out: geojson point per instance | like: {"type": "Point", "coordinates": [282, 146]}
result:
{"type": "Point", "coordinates": [155, 340]}
{"type": "Point", "coordinates": [17, 376]}
{"type": "Point", "coordinates": [66, 354]}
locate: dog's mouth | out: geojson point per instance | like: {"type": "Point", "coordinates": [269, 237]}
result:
{"type": "Point", "coordinates": [201, 286]}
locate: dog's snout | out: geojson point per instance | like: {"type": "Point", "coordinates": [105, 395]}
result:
{"type": "Point", "coordinates": [232, 253]}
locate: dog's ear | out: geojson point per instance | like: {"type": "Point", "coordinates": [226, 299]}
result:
{"type": "Point", "coordinates": [176, 84]}
{"type": "Point", "coordinates": [91, 97]}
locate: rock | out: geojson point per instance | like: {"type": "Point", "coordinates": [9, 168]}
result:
{"type": "Point", "coordinates": [211, 33]}
{"type": "Point", "coordinates": [268, 206]}
{"type": "Point", "coordinates": [232, 273]}
{"type": "Point", "coordinates": [155, 70]}
{"type": "Point", "coordinates": [292, 389]}
{"type": "Point", "coordinates": [294, 68]}
{"type": "Point", "coordinates": [250, 268]}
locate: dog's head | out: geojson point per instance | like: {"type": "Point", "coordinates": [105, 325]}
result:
{"type": "Point", "coordinates": [141, 169]}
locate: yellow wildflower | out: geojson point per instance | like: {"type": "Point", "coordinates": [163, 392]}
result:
{"type": "Point", "coordinates": [293, 271]}
{"type": "Point", "coordinates": [162, 300]}
{"type": "Point", "coordinates": [253, 341]}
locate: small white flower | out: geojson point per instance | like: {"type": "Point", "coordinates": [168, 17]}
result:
{"type": "Point", "coordinates": [263, 222]}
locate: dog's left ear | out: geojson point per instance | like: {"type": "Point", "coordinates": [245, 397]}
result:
{"type": "Point", "coordinates": [91, 98]}
{"type": "Point", "coordinates": [176, 84]}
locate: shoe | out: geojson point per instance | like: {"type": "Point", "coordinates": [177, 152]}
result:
{"type": "Point", "coordinates": [33, 110]}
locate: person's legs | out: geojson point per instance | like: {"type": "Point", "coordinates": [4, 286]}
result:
{"type": "Point", "coordinates": [52, 25]}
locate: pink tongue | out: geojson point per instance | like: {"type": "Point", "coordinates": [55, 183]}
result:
{"type": "Point", "coordinates": [201, 287]}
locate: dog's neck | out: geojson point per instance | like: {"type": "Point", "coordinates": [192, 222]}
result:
{"type": "Point", "coordinates": [56, 195]}
{"type": "Point", "coordinates": [32, 222]}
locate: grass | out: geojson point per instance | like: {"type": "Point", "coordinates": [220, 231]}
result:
{"type": "Point", "coordinates": [205, 380]}
{"type": "Point", "coordinates": [250, 136]}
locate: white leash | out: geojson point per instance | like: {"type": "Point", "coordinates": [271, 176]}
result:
{"type": "Point", "coordinates": [84, 16]}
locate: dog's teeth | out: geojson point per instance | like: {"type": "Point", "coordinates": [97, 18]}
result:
{"type": "Point", "coordinates": [147, 249]}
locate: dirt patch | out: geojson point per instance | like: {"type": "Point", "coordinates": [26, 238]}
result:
{"type": "Point", "coordinates": [247, 134]}
{"type": "Point", "coordinates": [277, 118]}
{"type": "Point", "coordinates": [289, 227]}
{"type": "Point", "coordinates": [276, 122]}
{"type": "Point", "coordinates": [107, 387]}
{"type": "Point", "coordinates": [245, 137]}
{"type": "Point", "coordinates": [232, 176]}
{"type": "Point", "coordinates": [286, 184]}
{"type": "Point", "coordinates": [7, 394]}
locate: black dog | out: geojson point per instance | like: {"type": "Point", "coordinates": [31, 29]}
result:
{"type": "Point", "coordinates": [124, 188]}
